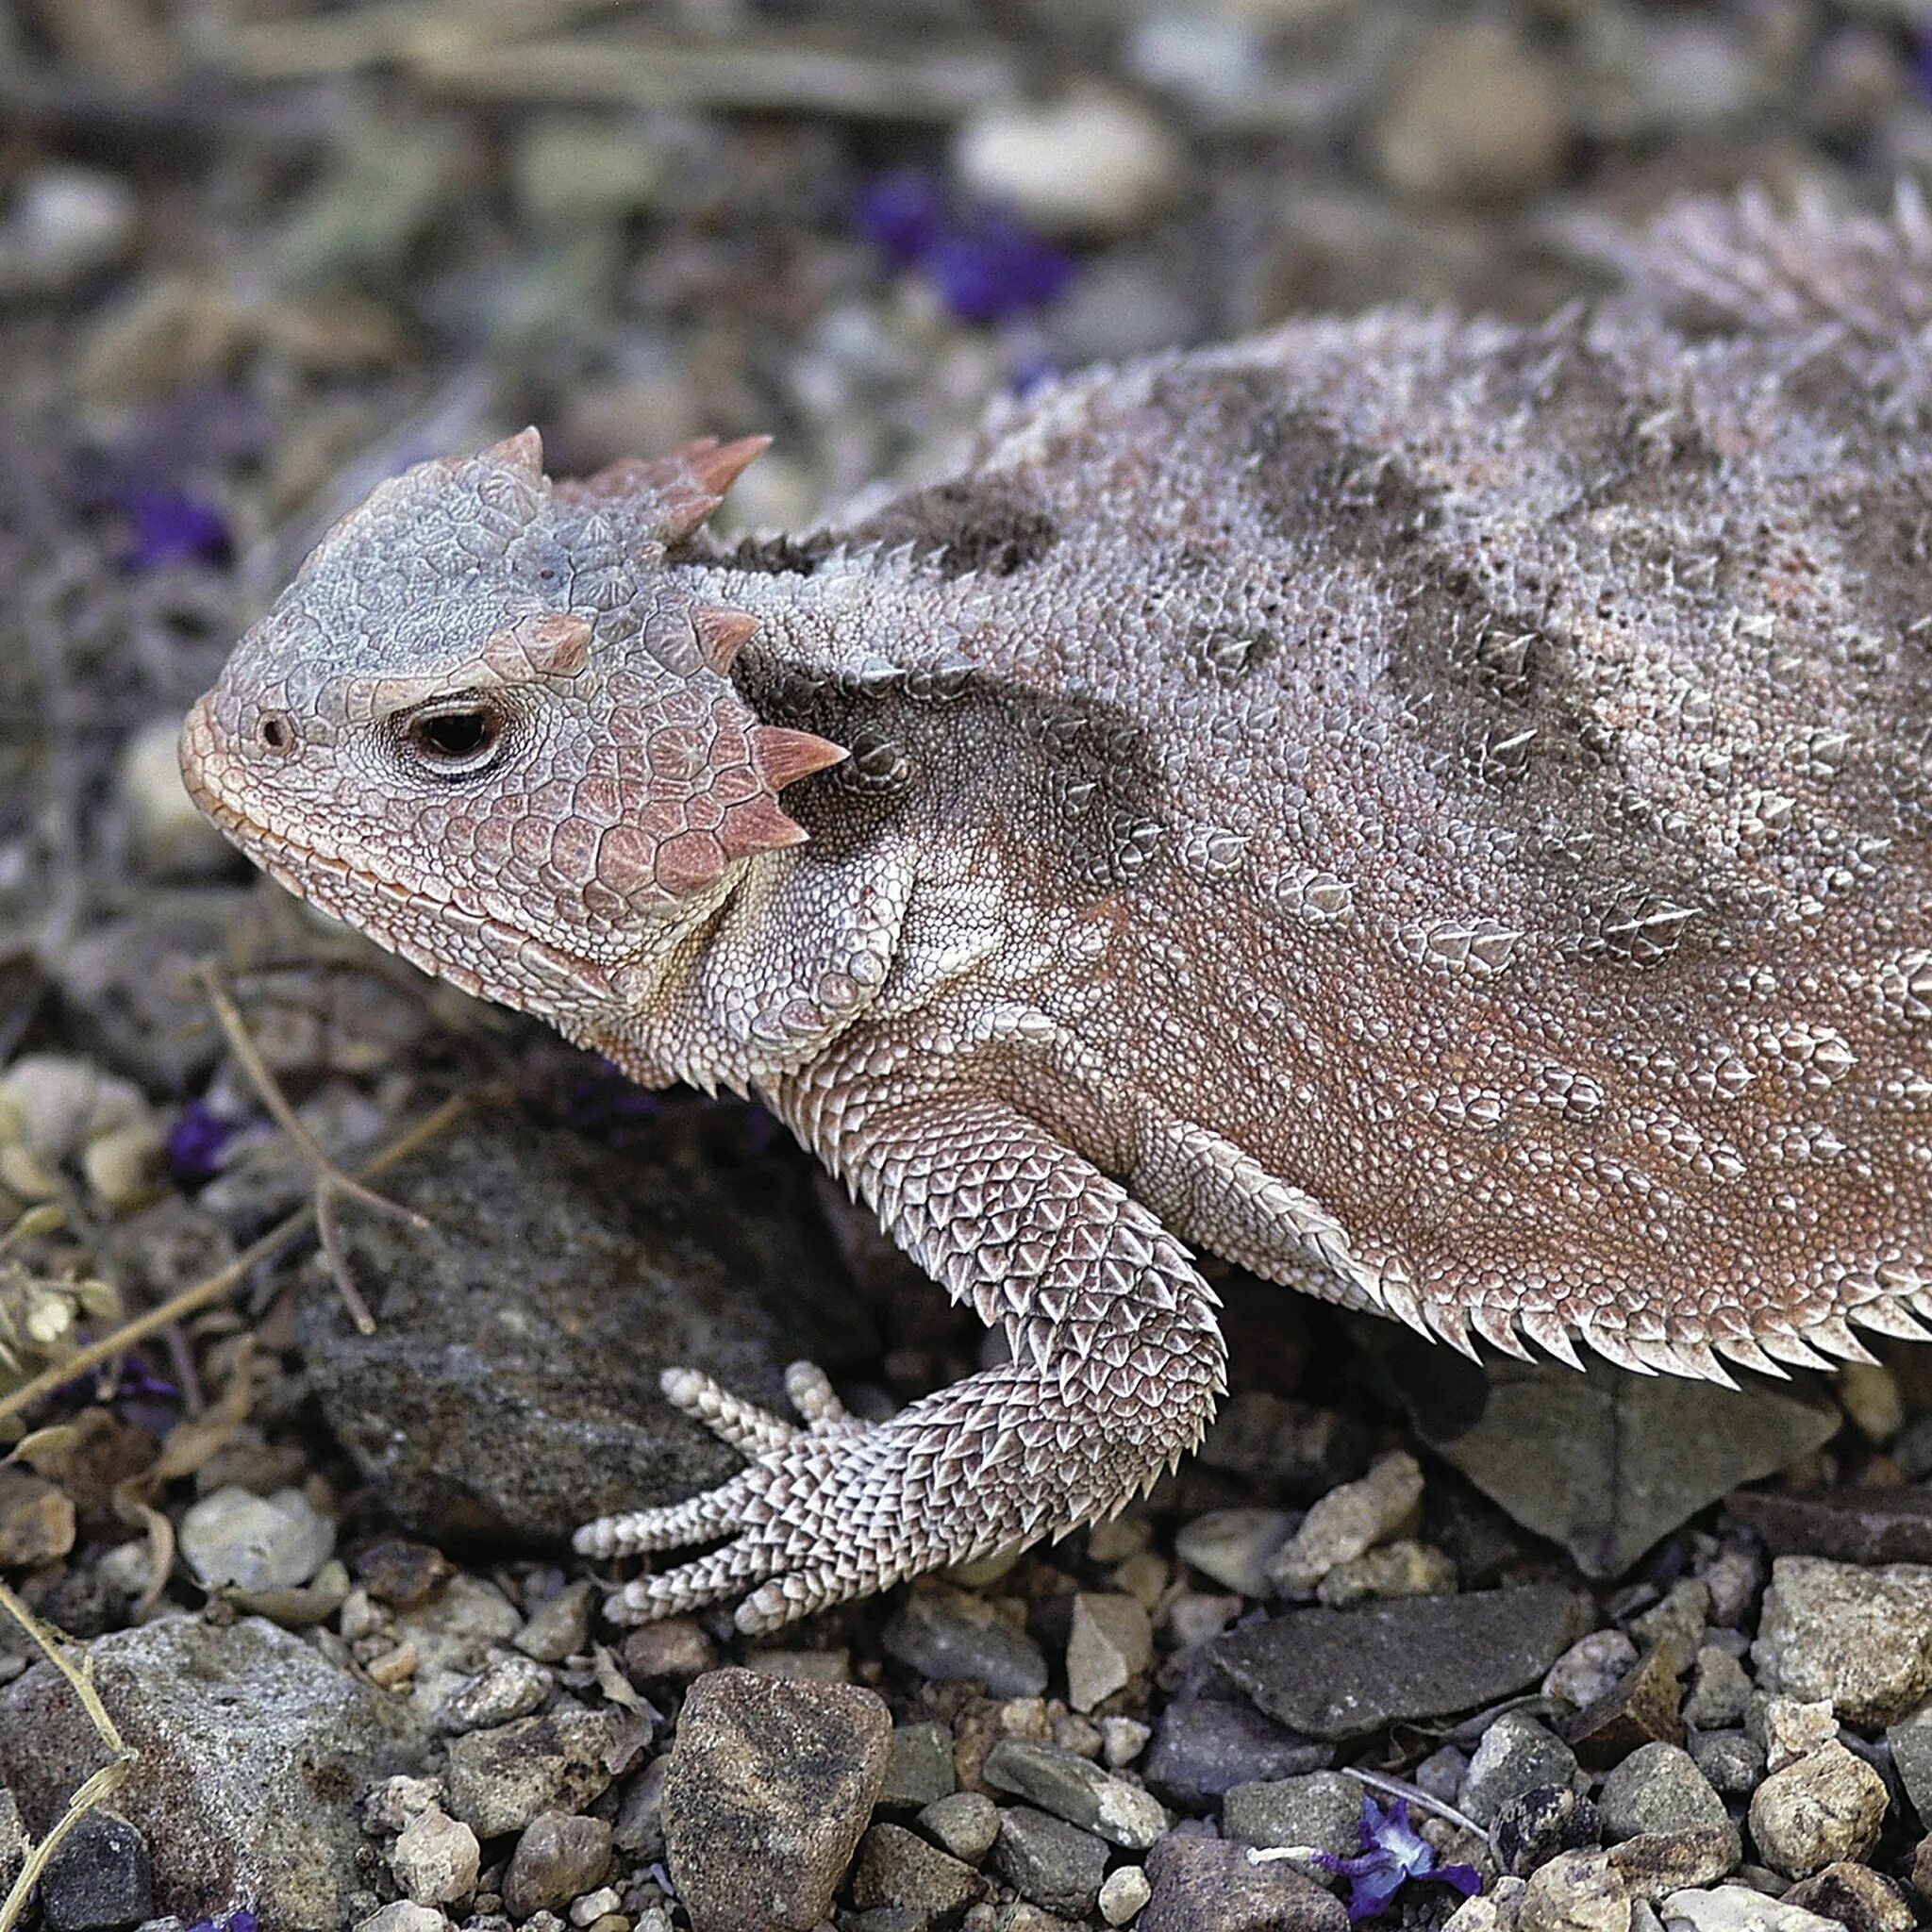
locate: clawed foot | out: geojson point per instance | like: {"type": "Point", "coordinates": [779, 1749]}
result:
{"type": "Point", "coordinates": [809, 1519]}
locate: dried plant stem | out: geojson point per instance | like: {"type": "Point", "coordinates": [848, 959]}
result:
{"type": "Point", "coordinates": [331, 1183]}
{"type": "Point", "coordinates": [95, 1789]}
{"type": "Point", "coordinates": [1396, 1787]}
{"type": "Point", "coordinates": [223, 1282]}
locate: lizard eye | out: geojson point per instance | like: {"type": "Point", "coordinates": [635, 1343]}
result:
{"type": "Point", "coordinates": [454, 739]}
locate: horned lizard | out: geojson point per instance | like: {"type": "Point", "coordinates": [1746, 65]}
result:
{"type": "Point", "coordinates": [1437, 808]}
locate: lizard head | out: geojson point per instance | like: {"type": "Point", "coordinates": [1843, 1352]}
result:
{"type": "Point", "coordinates": [489, 725]}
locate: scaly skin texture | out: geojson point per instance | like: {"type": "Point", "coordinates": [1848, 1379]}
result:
{"type": "Point", "coordinates": [1432, 807]}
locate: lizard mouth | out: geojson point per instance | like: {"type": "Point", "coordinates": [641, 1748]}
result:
{"type": "Point", "coordinates": [383, 907]}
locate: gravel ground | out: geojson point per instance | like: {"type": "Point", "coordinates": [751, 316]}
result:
{"type": "Point", "coordinates": [1572, 1654]}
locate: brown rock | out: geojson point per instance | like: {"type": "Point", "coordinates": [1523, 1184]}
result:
{"type": "Point", "coordinates": [1642, 1709]}
{"type": "Point", "coordinates": [397, 1571]}
{"type": "Point", "coordinates": [772, 1781]}
{"type": "Point", "coordinates": [1856, 1896]}
{"type": "Point", "coordinates": [559, 1858]}
{"type": "Point", "coordinates": [1654, 1864]}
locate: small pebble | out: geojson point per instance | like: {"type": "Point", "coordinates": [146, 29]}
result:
{"type": "Point", "coordinates": [99, 1878]}
{"type": "Point", "coordinates": [1233, 1547]}
{"type": "Point", "coordinates": [560, 1626]}
{"type": "Point", "coordinates": [435, 1858]}
{"type": "Point", "coordinates": [1478, 117]}
{"type": "Point", "coordinates": [1591, 1668]}
{"type": "Point", "coordinates": [1121, 1740]}
{"type": "Point", "coordinates": [403, 1916]}
{"type": "Point", "coordinates": [1091, 162]}
{"type": "Point", "coordinates": [512, 1687]}
{"type": "Point", "coordinates": [255, 1543]}
{"type": "Point", "coordinates": [1123, 1894]}
{"type": "Point", "coordinates": [170, 836]}
{"type": "Point", "coordinates": [557, 1857]}
{"type": "Point", "coordinates": [1516, 1755]}
{"type": "Point", "coordinates": [966, 1823]}
{"type": "Point", "coordinates": [595, 1905]}
{"type": "Point", "coordinates": [1657, 1789]}
{"type": "Point", "coordinates": [1349, 1520]}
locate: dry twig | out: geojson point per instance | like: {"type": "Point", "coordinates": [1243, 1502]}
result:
{"type": "Point", "coordinates": [331, 1183]}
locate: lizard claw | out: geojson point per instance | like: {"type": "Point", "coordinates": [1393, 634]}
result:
{"type": "Point", "coordinates": [741, 1506]}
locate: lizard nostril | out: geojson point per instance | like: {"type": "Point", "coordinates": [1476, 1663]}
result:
{"type": "Point", "coordinates": [275, 733]}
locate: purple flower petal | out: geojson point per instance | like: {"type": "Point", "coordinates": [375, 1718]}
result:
{"type": "Point", "coordinates": [171, 527]}
{"type": "Point", "coordinates": [195, 1143]}
{"type": "Point", "coordinates": [1465, 1878]}
{"type": "Point", "coordinates": [902, 216]}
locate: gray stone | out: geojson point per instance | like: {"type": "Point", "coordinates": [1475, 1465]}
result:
{"type": "Point", "coordinates": [966, 1823]}
{"type": "Point", "coordinates": [1606, 1463]}
{"type": "Point", "coordinates": [1850, 1526]}
{"type": "Point", "coordinates": [1109, 1644]}
{"type": "Point", "coordinates": [771, 1782]}
{"type": "Point", "coordinates": [1532, 1828]}
{"type": "Point", "coordinates": [1732, 1762]}
{"type": "Point", "coordinates": [557, 1858]}
{"type": "Point", "coordinates": [1323, 1810]}
{"type": "Point", "coordinates": [1676, 1625]}
{"type": "Point", "coordinates": [953, 1638]}
{"type": "Point", "coordinates": [512, 1385]}
{"type": "Point", "coordinates": [1911, 1751]}
{"type": "Point", "coordinates": [896, 1868]}
{"type": "Point", "coordinates": [255, 1543]}
{"type": "Point", "coordinates": [1202, 1747]}
{"type": "Point", "coordinates": [254, 1750]}
{"type": "Point", "coordinates": [1079, 1791]}
{"type": "Point", "coordinates": [1860, 1637]}
{"type": "Point", "coordinates": [1342, 1674]}
{"type": "Point", "coordinates": [1232, 1547]}
{"type": "Point", "coordinates": [500, 1778]}
{"type": "Point", "coordinates": [1720, 1692]}
{"type": "Point", "coordinates": [1826, 1806]}
{"type": "Point", "coordinates": [99, 1878]}
{"type": "Point", "coordinates": [1658, 1788]}
{"type": "Point", "coordinates": [12, 1840]}
{"type": "Point", "coordinates": [1211, 1885]}
{"type": "Point", "coordinates": [559, 1626]}
{"type": "Point", "coordinates": [1049, 1862]}
{"type": "Point", "coordinates": [919, 1768]}
{"type": "Point", "coordinates": [1515, 1754]}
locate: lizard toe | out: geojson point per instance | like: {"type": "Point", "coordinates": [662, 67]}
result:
{"type": "Point", "coordinates": [699, 1518]}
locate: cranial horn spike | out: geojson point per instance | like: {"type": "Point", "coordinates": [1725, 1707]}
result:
{"type": "Point", "coordinates": [718, 467]}
{"type": "Point", "coordinates": [758, 825]}
{"type": "Point", "coordinates": [523, 451]}
{"type": "Point", "coordinates": [723, 632]}
{"type": "Point", "coordinates": [785, 756]}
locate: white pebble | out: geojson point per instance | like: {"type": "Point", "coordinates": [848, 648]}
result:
{"type": "Point", "coordinates": [1090, 163]}
{"type": "Point", "coordinates": [168, 836]}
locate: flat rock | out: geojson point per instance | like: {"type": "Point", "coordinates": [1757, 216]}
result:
{"type": "Point", "coordinates": [1203, 1746]}
{"type": "Point", "coordinates": [1053, 1864]}
{"type": "Point", "coordinates": [512, 1385]}
{"type": "Point", "coordinates": [1911, 1751]}
{"type": "Point", "coordinates": [254, 1750]}
{"type": "Point", "coordinates": [1077, 1790]}
{"type": "Point", "coordinates": [502, 1778]}
{"type": "Point", "coordinates": [1851, 1525]}
{"type": "Point", "coordinates": [1605, 1463]}
{"type": "Point", "coordinates": [1211, 1885]}
{"type": "Point", "coordinates": [897, 1868]}
{"type": "Point", "coordinates": [99, 1878]}
{"type": "Point", "coordinates": [771, 1782]}
{"type": "Point", "coordinates": [1738, 1909]}
{"type": "Point", "coordinates": [1342, 1674]}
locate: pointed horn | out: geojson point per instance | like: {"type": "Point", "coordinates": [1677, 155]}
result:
{"type": "Point", "coordinates": [717, 468]}
{"type": "Point", "coordinates": [523, 451]}
{"type": "Point", "coordinates": [784, 756]}
{"type": "Point", "coordinates": [695, 476]}
{"type": "Point", "coordinates": [758, 825]}
{"type": "Point", "coordinates": [723, 632]}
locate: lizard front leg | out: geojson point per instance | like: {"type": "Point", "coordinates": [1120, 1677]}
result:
{"type": "Point", "coordinates": [1117, 1359]}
